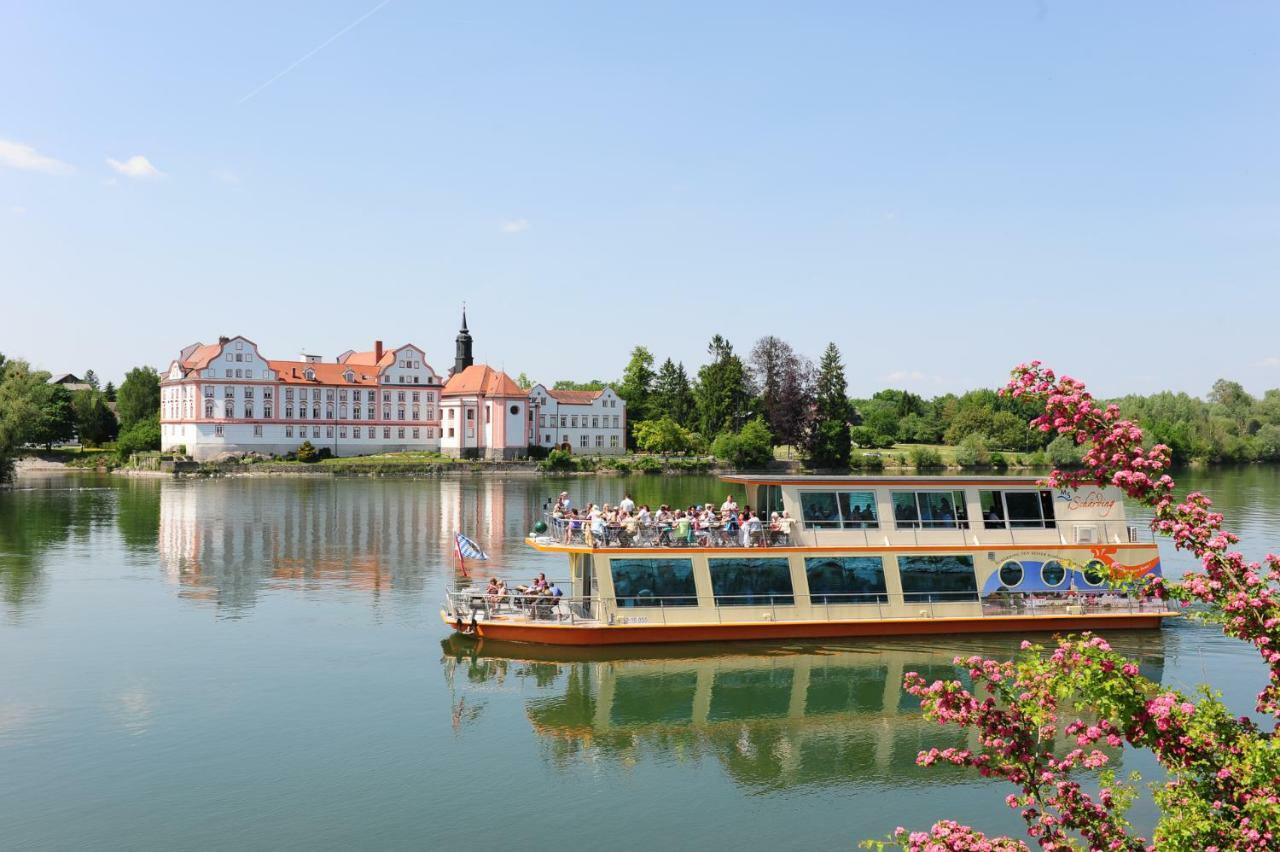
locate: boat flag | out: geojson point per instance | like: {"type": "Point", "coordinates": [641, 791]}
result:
{"type": "Point", "coordinates": [468, 549]}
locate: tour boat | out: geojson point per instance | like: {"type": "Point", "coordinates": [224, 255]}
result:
{"type": "Point", "coordinates": [864, 556]}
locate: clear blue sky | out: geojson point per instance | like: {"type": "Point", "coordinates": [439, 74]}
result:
{"type": "Point", "coordinates": [944, 189]}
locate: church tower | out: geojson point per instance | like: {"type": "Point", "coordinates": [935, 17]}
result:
{"type": "Point", "coordinates": [462, 358]}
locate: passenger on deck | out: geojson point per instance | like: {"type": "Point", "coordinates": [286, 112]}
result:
{"type": "Point", "coordinates": [492, 593]}
{"type": "Point", "coordinates": [540, 583]}
{"type": "Point", "coordinates": [627, 505]}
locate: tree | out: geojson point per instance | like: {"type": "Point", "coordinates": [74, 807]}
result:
{"type": "Point", "coordinates": [110, 392]}
{"type": "Point", "coordinates": [569, 384]}
{"type": "Point", "coordinates": [672, 396]}
{"type": "Point", "coordinates": [749, 448]}
{"type": "Point", "coordinates": [829, 440]}
{"type": "Point", "coordinates": [636, 387]}
{"type": "Point", "coordinates": [138, 397]}
{"type": "Point", "coordinates": [142, 436]}
{"type": "Point", "coordinates": [664, 435]}
{"type": "Point", "coordinates": [95, 422]}
{"type": "Point", "coordinates": [91, 379]}
{"type": "Point", "coordinates": [524, 381]}
{"type": "Point", "coordinates": [723, 392]}
{"type": "Point", "coordinates": [1221, 768]}
{"type": "Point", "coordinates": [57, 421]}
{"type": "Point", "coordinates": [785, 381]}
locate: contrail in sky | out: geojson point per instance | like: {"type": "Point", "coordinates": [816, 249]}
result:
{"type": "Point", "coordinates": [321, 46]}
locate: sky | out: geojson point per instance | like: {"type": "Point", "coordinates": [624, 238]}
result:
{"type": "Point", "coordinates": [942, 189]}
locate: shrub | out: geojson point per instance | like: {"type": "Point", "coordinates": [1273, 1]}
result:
{"type": "Point", "coordinates": [306, 452]}
{"type": "Point", "coordinates": [537, 453]}
{"type": "Point", "coordinates": [973, 452]}
{"type": "Point", "coordinates": [141, 436]}
{"type": "Point", "coordinates": [324, 453]}
{"type": "Point", "coordinates": [923, 458]}
{"type": "Point", "coordinates": [557, 460]}
{"type": "Point", "coordinates": [873, 461]}
{"type": "Point", "coordinates": [648, 464]}
{"type": "Point", "coordinates": [1063, 452]}
{"type": "Point", "coordinates": [750, 448]}
{"type": "Point", "coordinates": [998, 461]}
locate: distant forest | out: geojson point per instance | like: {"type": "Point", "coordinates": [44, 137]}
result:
{"type": "Point", "coordinates": [800, 404]}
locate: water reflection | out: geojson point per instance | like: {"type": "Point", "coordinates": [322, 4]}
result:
{"type": "Point", "coordinates": [774, 717]}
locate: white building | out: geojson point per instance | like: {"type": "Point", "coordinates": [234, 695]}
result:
{"type": "Point", "coordinates": [226, 397]}
{"type": "Point", "coordinates": [584, 422]}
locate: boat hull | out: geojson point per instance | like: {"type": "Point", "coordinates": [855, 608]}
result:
{"type": "Point", "coordinates": [647, 634]}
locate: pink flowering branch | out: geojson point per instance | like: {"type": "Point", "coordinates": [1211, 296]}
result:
{"type": "Point", "coordinates": [1224, 772]}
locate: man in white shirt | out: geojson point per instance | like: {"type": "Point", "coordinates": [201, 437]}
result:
{"type": "Point", "coordinates": [627, 505]}
{"type": "Point", "coordinates": [729, 506]}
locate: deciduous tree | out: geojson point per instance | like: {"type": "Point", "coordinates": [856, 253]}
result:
{"type": "Point", "coordinates": [784, 380]}
{"type": "Point", "coordinates": [138, 397]}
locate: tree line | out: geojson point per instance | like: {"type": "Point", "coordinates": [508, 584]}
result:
{"type": "Point", "coordinates": [36, 413]}
{"type": "Point", "coordinates": [741, 407]}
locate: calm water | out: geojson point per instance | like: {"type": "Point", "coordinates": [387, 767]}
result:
{"type": "Point", "coordinates": [259, 664]}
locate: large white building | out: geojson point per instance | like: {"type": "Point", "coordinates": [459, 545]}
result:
{"type": "Point", "coordinates": [226, 397]}
{"type": "Point", "coordinates": [583, 422]}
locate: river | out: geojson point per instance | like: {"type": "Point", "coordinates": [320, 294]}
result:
{"type": "Point", "coordinates": [259, 663]}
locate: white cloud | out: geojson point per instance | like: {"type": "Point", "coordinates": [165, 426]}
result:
{"type": "Point", "coordinates": [136, 166]}
{"type": "Point", "coordinates": [1269, 361]}
{"type": "Point", "coordinates": [24, 157]}
{"type": "Point", "coordinates": [515, 226]}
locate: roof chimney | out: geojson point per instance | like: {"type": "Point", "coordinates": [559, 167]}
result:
{"type": "Point", "coordinates": [224, 340]}
{"type": "Point", "coordinates": [377, 351]}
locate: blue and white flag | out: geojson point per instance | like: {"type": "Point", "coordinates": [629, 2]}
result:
{"type": "Point", "coordinates": [468, 549]}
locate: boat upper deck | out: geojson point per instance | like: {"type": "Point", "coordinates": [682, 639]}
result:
{"type": "Point", "coordinates": [840, 512]}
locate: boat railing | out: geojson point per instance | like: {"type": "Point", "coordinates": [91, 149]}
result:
{"type": "Point", "coordinates": [580, 533]}
{"type": "Point", "coordinates": [474, 604]}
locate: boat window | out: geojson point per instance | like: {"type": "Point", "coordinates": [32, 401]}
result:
{"type": "Point", "coordinates": [930, 510]}
{"type": "Point", "coordinates": [1095, 573]}
{"type": "Point", "coordinates": [770, 500]}
{"type": "Point", "coordinates": [653, 582]}
{"type": "Point", "coordinates": [1011, 573]}
{"type": "Point", "coordinates": [845, 579]}
{"type": "Point", "coordinates": [1016, 509]}
{"type": "Point", "coordinates": [751, 582]}
{"type": "Point", "coordinates": [942, 579]}
{"type": "Point", "coordinates": [1052, 573]}
{"type": "Point", "coordinates": [835, 509]}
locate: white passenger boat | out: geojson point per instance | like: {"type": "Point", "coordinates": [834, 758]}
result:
{"type": "Point", "coordinates": [867, 556]}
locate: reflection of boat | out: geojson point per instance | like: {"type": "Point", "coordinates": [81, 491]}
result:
{"type": "Point", "coordinates": [868, 556]}
{"type": "Point", "coordinates": [773, 715]}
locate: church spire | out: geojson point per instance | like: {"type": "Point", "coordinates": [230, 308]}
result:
{"type": "Point", "coordinates": [462, 357]}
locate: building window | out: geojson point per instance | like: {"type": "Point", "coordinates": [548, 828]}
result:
{"type": "Point", "coordinates": [217, 431]}
{"type": "Point", "coordinates": [583, 441]}
{"type": "Point", "coordinates": [451, 413]}
{"type": "Point", "coordinates": [228, 373]}
{"type": "Point", "coordinates": [288, 431]}
{"type": "Point", "coordinates": [1016, 509]}
{"type": "Point", "coordinates": [315, 431]}
{"type": "Point", "coordinates": [266, 411]}
{"type": "Point", "coordinates": [613, 441]}
{"type": "Point", "coordinates": [208, 391]}
{"type": "Point", "coordinates": [653, 582]}
{"type": "Point", "coordinates": [400, 413]}
{"type": "Point", "coordinates": [386, 412]}
{"type": "Point", "coordinates": [288, 411]}
{"type": "Point", "coordinates": [208, 409]}
{"type": "Point", "coordinates": [835, 509]}
{"type": "Point", "coordinates": [230, 358]}
{"type": "Point", "coordinates": [573, 421]}
{"type": "Point", "coordinates": [328, 412]}
{"type": "Point", "coordinates": [315, 412]}
{"type": "Point", "coordinates": [845, 579]}
{"type": "Point", "coordinates": [328, 431]}
{"type": "Point", "coordinates": [400, 396]}
{"type": "Point", "coordinates": [229, 410]}
{"type": "Point", "coordinates": [288, 393]}
{"type": "Point", "coordinates": [415, 434]}
{"type": "Point", "coordinates": [328, 394]}
{"type": "Point", "coordinates": [248, 392]}
{"type": "Point", "coordinates": [595, 422]}
{"type": "Point", "coordinates": [257, 431]}
{"type": "Point", "coordinates": [615, 421]}
{"type": "Point", "coordinates": [356, 413]}
{"type": "Point", "coordinates": [355, 432]}
{"type": "Point", "coordinates": [342, 395]}
{"type": "Point", "coordinates": [416, 396]}
{"type": "Point", "coordinates": [248, 374]}
{"type": "Point", "coordinates": [542, 421]}
{"type": "Point", "coordinates": [342, 412]}
{"type": "Point", "coordinates": [416, 412]}
{"type": "Point", "coordinates": [546, 439]}
{"type": "Point", "coordinates": [471, 414]}
{"type": "Point", "coordinates": [315, 394]}
{"type": "Point", "coordinates": [386, 433]}
{"type": "Point", "coordinates": [564, 421]}
{"type": "Point", "coordinates": [248, 409]}
{"type": "Point", "coordinates": [751, 582]}
{"type": "Point", "coordinates": [599, 440]}
{"type": "Point", "coordinates": [929, 510]}
{"type": "Point", "coordinates": [228, 392]}
{"type": "Point", "coordinates": [400, 433]}
{"type": "Point", "coordinates": [937, 578]}
{"type": "Point", "coordinates": [267, 393]}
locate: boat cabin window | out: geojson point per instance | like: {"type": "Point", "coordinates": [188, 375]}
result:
{"type": "Point", "coordinates": [929, 510]}
{"type": "Point", "coordinates": [751, 582]}
{"type": "Point", "coordinates": [1016, 509]}
{"type": "Point", "coordinates": [653, 582]}
{"type": "Point", "coordinates": [769, 500]}
{"type": "Point", "coordinates": [845, 579]}
{"type": "Point", "coordinates": [839, 509]}
{"type": "Point", "coordinates": [941, 579]}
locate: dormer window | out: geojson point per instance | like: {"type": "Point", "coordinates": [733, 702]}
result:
{"type": "Point", "coordinates": [349, 376]}
{"type": "Point", "coordinates": [309, 374]}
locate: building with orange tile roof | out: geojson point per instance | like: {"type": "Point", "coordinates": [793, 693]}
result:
{"type": "Point", "coordinates": [584, 422]}
{"type": "Point", "coordinates": [227, 398]}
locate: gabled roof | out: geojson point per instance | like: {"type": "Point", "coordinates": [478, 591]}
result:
{"type": "Point", "coordinates": [201, 355]}
{"type": "Point", "coordinates": [574, 397]}
{"type": "Point", "coordinates": [481, 380]}
{"type": "Point", "coordinates": [367, 359]}
{"type": "Point", "coordinates": [295, 373]}
{"type": "Point", "coordinates": [65, 378]}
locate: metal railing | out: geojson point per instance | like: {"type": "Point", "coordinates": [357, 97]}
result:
{"type": "Point", "coordinates": [673, 535]}
{"type": "Point", "coordinates": [471, 605]}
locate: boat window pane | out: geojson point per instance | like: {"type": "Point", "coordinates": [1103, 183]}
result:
{"type": "Point", "coordinates": [845, 579]}
{"type": "Point", "coordinates": [1095, 572]}
{"type": "Point", "coordinates": [992, 509]}
{"type": "Point", "coordinates": [770, 500]}
{"type": "Point", "coordinates": [942, 579]}
{"type": "Point", "coordinates": [858, 509]}
{"type": "Point", "coordinates": [941, 509]}
{"type": "Point", "coordinates": [1024, 509]}
{"type": "Point", "coordinates": [905, 513]}
{"type": "Point", "coordinates": [1052, 573]}
{"type": "Point", "coordinates": [1046, 508]}
{"type": "Point", "coordinates": [1011, 573]}
{"type": "Point", "coordinates": [751, 582]}
{"type": "Point", "coordinates": [819, 509]}
{"type": "Point", "coordinates": [653, 582]}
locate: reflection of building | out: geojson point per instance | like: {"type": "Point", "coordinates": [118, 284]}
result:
{"type": "Point", "coordinates": [774, 718]}
{"type": "Point", "coordinates": [228, 540]}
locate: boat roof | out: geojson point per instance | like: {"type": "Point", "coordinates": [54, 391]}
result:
{"type": "Point", "coordinates": [801, 479]}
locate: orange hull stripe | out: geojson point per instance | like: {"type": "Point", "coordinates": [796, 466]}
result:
{"type": "Point", "coordinates": [655, 633]}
